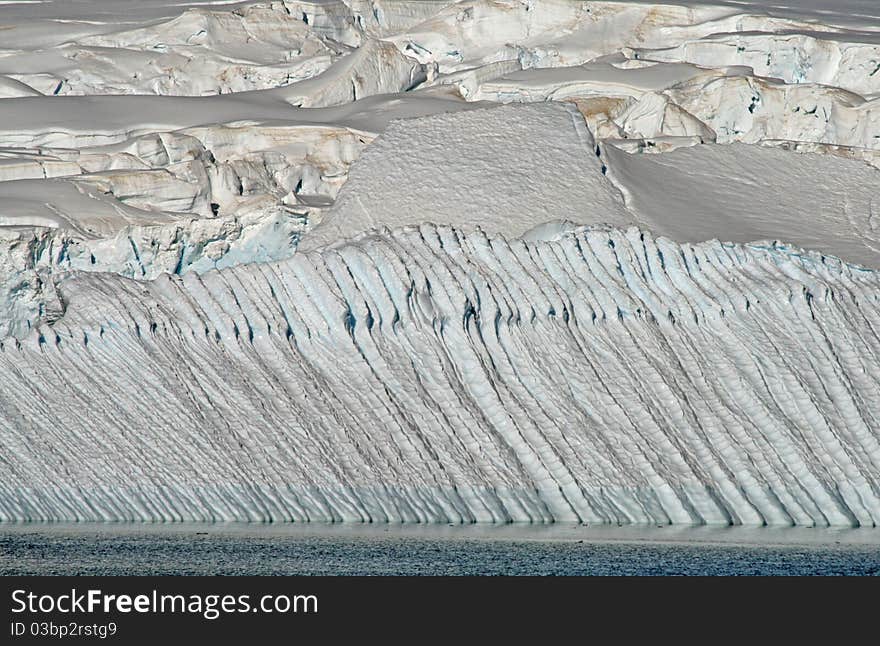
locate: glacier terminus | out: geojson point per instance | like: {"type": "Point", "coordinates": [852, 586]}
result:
{"type": "Point", "coordinates": [440, 262]}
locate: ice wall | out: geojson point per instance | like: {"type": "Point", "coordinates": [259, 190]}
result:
{"type": "Point", "coordinates": [601, 375]}
{"type": "Point", "coordinates": [167, 351]}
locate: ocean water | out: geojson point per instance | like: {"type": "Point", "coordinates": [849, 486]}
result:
{"type": "Point", "coordinates": [244, 549]}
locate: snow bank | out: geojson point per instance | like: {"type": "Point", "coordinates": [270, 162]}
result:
{"type": "Point", "coordinates": [745, 193]}
{"type": "Point", "coordinates": [504, 170]}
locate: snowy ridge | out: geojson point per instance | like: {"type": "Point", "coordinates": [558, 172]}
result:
{"type": "Point", "coordinates": [424, 374]}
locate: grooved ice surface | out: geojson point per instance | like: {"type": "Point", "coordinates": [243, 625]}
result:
{"type": "Point", "coordinates": [428, 375]}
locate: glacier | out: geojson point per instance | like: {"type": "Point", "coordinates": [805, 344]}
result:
{"type": "Point", "coordinates": [602, 375]}
{"type": "Point", "coordinates": [440, 261]}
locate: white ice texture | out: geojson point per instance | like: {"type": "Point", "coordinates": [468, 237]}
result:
{"type": "Point", "coordinates": [436, 261]}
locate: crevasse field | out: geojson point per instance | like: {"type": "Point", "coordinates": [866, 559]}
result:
{"type": "Point", "coordinates": [434, 261]}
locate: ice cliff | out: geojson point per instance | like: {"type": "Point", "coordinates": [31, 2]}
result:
{"type": "Point", "coordinates": [437, 261]}
{"type": "Point", "coordinates": [426, 375]}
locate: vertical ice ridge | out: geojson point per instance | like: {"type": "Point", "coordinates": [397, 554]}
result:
{"type": "Point", "coordinates": [427, 375]}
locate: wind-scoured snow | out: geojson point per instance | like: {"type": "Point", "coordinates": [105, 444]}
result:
{"type": "Point", "coordinates": [744, 193]}
{"type": "Point", "coordinates": [440, 261]}
{"type": "Point", "coordinates": [511, 169]}
{"type": "Point", "coordinates": [503, 169]}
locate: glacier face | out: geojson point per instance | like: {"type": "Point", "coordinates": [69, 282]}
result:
{"type": "Point", "coordinates": [601, 375]}
{"type": "Point", "coordinates": [441, 261]}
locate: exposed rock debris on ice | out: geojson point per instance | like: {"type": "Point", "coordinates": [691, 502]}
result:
{"type": "Point", "coordinates": [399, 260]}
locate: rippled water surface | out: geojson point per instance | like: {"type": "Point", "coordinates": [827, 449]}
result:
{"type": "Point", "coordinates": [460, 550]}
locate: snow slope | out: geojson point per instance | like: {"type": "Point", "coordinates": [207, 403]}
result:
{"type": "Point", "coordinates": [503, 169]}
{"type": "Point", "coordinates": [742, 193]}
{"type": "Point", "coordinates": [513, 168]}
{"type": "Point", "coordinates": [440, 260]}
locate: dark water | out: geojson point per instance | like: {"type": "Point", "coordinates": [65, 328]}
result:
{"type": "Point", "coordinates": [469, 550]}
